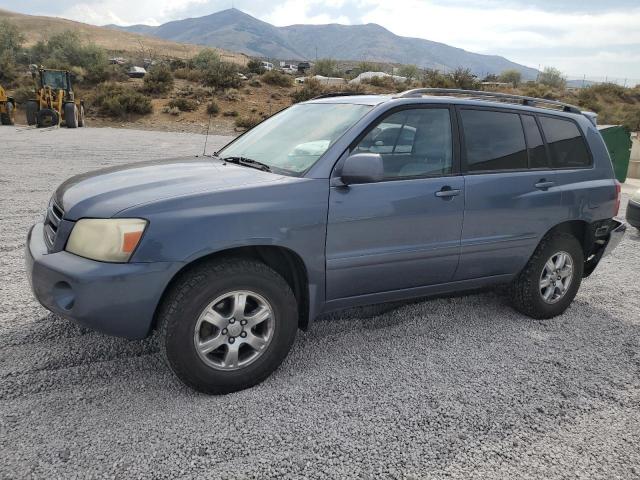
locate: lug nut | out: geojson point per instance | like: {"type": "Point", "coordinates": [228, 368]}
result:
{"type": "Point", "coordinates": [243, 334]}
{"type": "Point", "coordinates": [232, 339]}
{"type": "Point", "coordinates": [243, 322]}
{"type": "Point", "coordinates": [225, 331]}
{"type": "Point", "coordinates": [233, 320]}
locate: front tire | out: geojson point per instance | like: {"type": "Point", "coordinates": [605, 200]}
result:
{"type": "Point", "coordinates": [227, 324]}
{"type": "Point", "coordinates": [550, 281]}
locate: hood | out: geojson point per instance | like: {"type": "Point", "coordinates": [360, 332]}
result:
{"type": "Point", "coordinates": [104, 193]}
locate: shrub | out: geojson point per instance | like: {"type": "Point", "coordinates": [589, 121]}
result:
{"type": "Point", "coordinates": [230, 113]}
{"type": "Point", "coordinates": [189, 74]}
{"type": "Point", "coordinates": [255, 83]}
{"type": "Point", "coordinates": [213, 108]}
{"type": "Point", "coordinates": [171, 110]}
{"type": "Point", "coordinates": [221, 75]}
{"type": "Point", "coordinates": [255, 66]}
{"type": "Point", "coordinates": [158, 80]}
{"type": "Point", "coordinates": [183, 104]}
{"type": "Point", "coordinates": [411, 72]}
{"type": "Point", "coordinates": [327, 67]}
{"type": "Point", "coordinates": [8, 69]}
{"type": "Point", "coordinates": [276, 78]}
{"type": "Point", "coordinates": [205, 59]}
{"type": "Point", "coordinates": [231, 95]}
{"type": "Point", "coordinates": [433, 78]}
{"type": "Point", "coordinates": [119, 101]}
{"type": "Point", "coordinates": [464, 78]}
{"type": "Point", "coordinates": [311, 89]}
{"type": "Point", "coordinates": [23, 94]}
{"type": "Point", "coordinates": [512, 76]}
{"type": "Point", "coordinates": [382, 82]}
{"type": "Point", "coordinates": [247, 122]}
{"type": "Point", "coordinates": [552, 77]}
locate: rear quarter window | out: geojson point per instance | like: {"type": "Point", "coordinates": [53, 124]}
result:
{"type": "Point", "coordinates": [493, 141]}
{"type": "Point", "coordinates": [566, 143]}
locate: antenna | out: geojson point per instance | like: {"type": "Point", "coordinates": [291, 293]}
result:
{"type": "Point", "coordinates": [206, 138]}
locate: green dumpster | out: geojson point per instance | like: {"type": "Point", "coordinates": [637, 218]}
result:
{"type": "Point", "coordinates": [618, 141]}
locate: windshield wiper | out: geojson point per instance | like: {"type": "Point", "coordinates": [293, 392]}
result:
{"type": "Point", "coordinates": [248, 162]}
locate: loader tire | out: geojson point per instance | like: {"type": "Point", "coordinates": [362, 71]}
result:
{"type": "Point", "coordinates": [81, 121]}
{"type": "Point", "coordinates": [31, 108]}
{"type": "Point", "coordinates": [47, 117]}
{"type": "Point", "coordinates": [71, 115]}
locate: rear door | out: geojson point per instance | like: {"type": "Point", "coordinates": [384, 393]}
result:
{"type": "Point", "coordinates": [512, 196]}
{"type": "Point", "coordinates": [404, 231]}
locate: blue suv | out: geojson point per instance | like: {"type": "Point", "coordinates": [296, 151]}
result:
{"type": "Point", "coordinates": [333, 203]}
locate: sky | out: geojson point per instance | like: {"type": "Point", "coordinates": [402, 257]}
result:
{"type": "Point", "coordinates": [579, 37]}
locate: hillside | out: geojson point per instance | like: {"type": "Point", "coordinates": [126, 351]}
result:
{"type": "Point", "coordinates": [235, 30]}
{"type": "Point", "coordinates": [36, 28]}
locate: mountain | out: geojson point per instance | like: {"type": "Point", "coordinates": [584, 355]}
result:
{"type": "Point", "coordinates": [36, 28]}
{"type": "Point", "coordinates": [237, 31]}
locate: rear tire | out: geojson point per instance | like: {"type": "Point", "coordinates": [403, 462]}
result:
{"type": "Point", "coordinates": [546, 286]}
{"type": "Point", "coordinates": [71, 115]}
{"type": "Point", "coordinates": [31, 108]}
{"type": "Point", "coordinates": [47, 117]}
{"type": "Point", "coordinates": [208, 304]}
{"type": "Point", "coordinates": [81, 120]}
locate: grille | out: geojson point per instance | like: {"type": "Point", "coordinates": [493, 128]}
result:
{"type": "Point", "coordinates": [51, 224]}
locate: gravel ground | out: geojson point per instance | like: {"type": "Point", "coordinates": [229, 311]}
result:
{"type": "Point", "coordinates": [452, 388]}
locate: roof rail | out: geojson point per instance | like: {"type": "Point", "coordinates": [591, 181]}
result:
{"type": "Point", "coordinates": [492, 96]}
{"type": "Point", "coordinates": [335, 94]}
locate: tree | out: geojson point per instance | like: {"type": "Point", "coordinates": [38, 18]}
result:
{"type": "Point", "coordinates": [326, 67]}
{"type": "Point", "coordinates": [411, 72]}
{"type": "Point", "coordinates": [512, 76]}
{"type": "Point", "coordinates": [255, 66]}
{"type": "Point", "coordinates": [10, 38]}
{"type": "Point", "coordinates": [158, 80]}
{"type": "Point", "coordinates": [464, 78]}
{"type": "Point", "coordinates": [552, 77]}
{"type": "Point", "coordinates": [221, 75]}
{"type": "Point", "coordinates": [205, 59]}
{"type": "Point", "coordinates": [434, 79]}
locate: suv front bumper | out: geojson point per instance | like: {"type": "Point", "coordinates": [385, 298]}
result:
{"type": "Point", "coordinates": [114, 298]}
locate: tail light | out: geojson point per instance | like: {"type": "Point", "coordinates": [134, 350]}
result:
{"type": "Point", "coordinates": [618, 195]}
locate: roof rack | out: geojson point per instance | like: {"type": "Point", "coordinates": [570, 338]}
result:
{"type": "Point", "coordinates": [335, 94]}
{"type": "Point", "coordinates": [492, 96]}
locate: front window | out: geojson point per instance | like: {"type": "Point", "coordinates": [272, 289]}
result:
{"type": "Point", "coordinates": [55, 80]}
{"type": "Point", "coordinates": [294, 139]}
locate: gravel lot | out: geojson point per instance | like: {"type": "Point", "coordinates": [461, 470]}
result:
{"type": "Point", "coordinates": [452, 388]}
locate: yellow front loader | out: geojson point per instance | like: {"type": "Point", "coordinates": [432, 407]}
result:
{"type": "Point", "coordinates": [7, 108]}
{"type": "Point", "coordinates": [55, 103]}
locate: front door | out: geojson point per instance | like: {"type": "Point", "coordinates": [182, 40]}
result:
{"type": "Point", "coordinates": [402, 232]}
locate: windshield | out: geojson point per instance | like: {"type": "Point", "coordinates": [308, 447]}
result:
{"type": "Point", "coordinates": [55, 80]}
{"type": "Point", "coordinates": [294, 139]}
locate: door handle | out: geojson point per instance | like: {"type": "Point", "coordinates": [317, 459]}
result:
{"type": "Point", "coordinates": [544, 184]}
{"type": "Point", "coordinates": [447, 192]}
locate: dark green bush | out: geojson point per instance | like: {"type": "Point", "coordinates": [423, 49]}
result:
{"type": "Point", "coordinates": [213, 108]}
{"type": "Point", "coordinates": [221, 75]}
{"type": "Point", "coordinates": [158, 80]}
{"type": "Point", "coordinates": [255, 66]}
{"type": "Point", "coordinates": [189, 74]}
{"type": "Point", "coordinates": [119, 101]}
{"type": "Point", "coordinates": [276, 78]}
{"type": "Point", "coordinates": [247, 122]}
{"type": "Point", "coordinates": [183, 104]}
{"type": "Point", "coordinates": [311, 89]}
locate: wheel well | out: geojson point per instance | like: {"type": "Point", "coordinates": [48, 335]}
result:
{"type": "Point", "coordinates": [283, 260]}
{"type": "Point", "coordinates": [580, 229]}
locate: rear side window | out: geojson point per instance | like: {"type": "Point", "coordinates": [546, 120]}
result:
{"type": "Point", "coordinates": [537, 151]}
{"type": "Point", "coordinates": [566, 145]}
{"type": "Point", "coordinates": [493, 141]}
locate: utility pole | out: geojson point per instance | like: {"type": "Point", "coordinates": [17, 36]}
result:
{"type": "Point", "coordinates": [316, 54]}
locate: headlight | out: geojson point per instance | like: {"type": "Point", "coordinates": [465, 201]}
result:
{"type": "Point", "coordinates": [636, 197]}
{"type": "Point", "coordinates": [106, 240]}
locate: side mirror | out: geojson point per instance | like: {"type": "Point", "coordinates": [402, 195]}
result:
{"type": "Point", "coordinates": [362, 168]}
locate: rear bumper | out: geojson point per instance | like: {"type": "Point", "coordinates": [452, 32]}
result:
{"type": "Point", "coordinates": [615, 236]}
{"type": "Point", "coordinates": [633, 214]}
{"type": "Point", "coordinates": [114, 298]}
